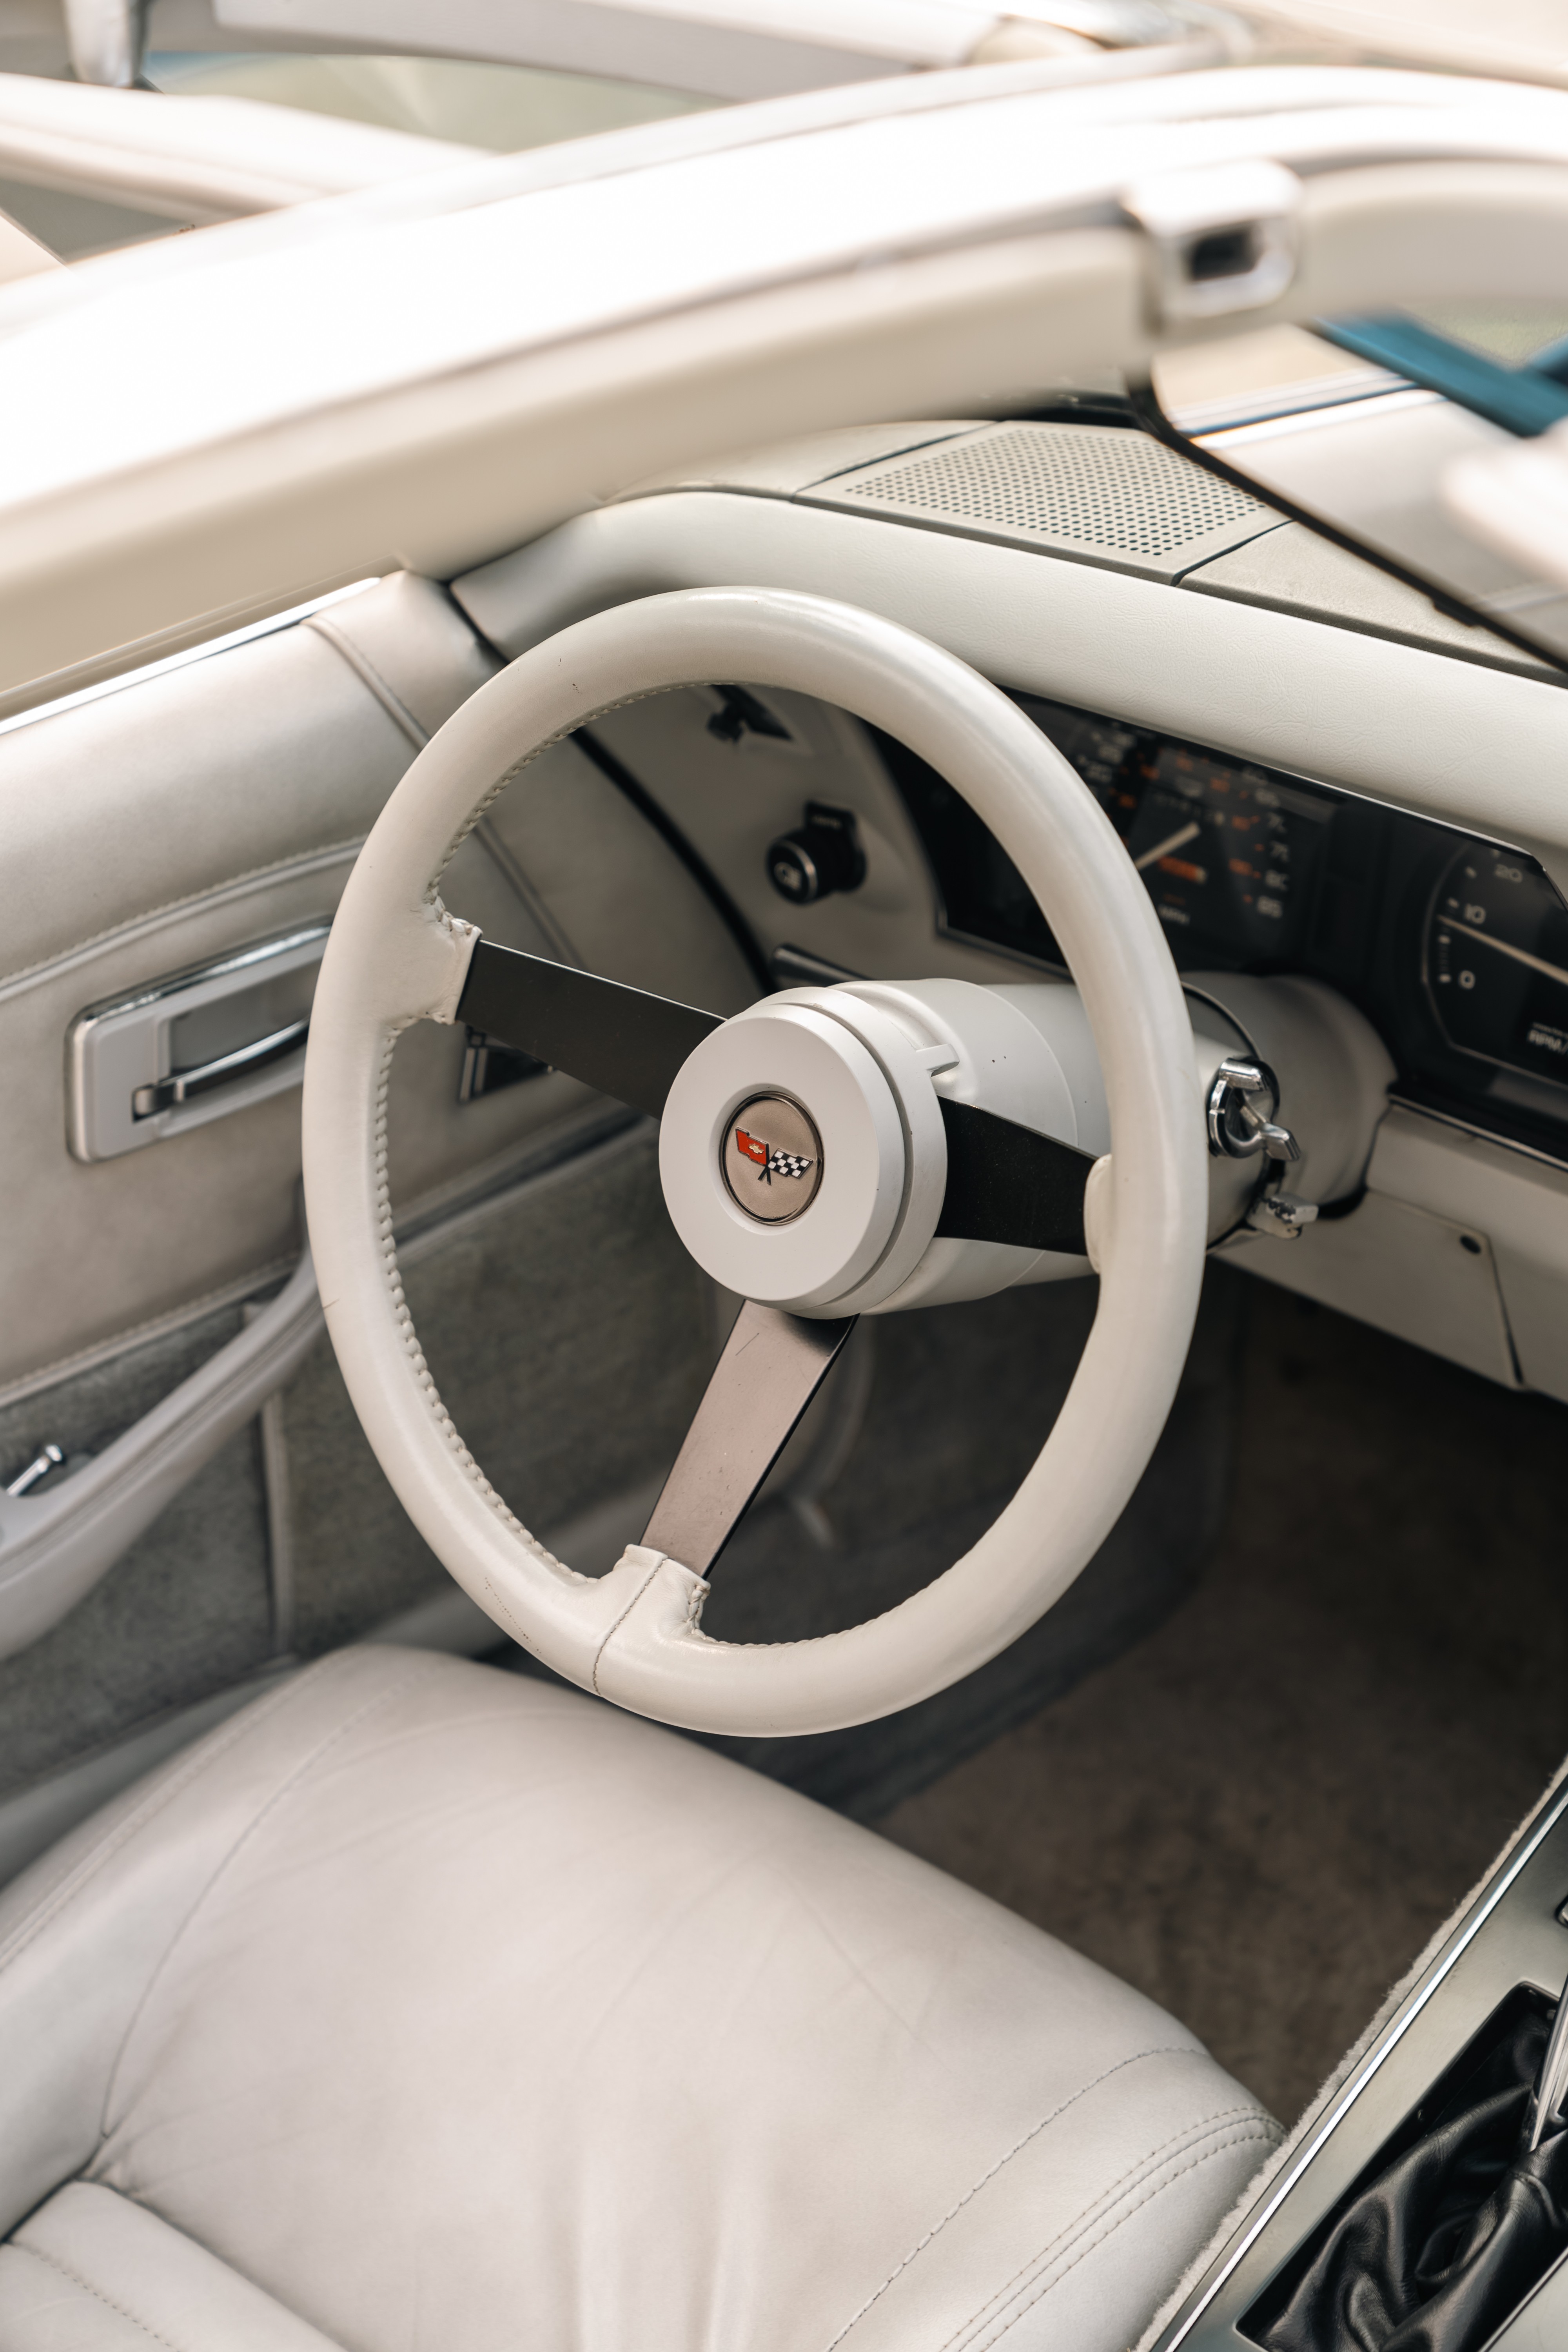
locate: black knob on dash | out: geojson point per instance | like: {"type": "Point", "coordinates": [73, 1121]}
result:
{"type": "Point", "coordinates": [819, 858]}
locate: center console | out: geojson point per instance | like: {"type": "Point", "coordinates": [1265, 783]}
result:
{"type": "Point", "coordinates": [1491, 1987]}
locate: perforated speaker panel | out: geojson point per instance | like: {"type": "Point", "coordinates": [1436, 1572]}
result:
{"type": "Point", "coordinates": [1091, 491]}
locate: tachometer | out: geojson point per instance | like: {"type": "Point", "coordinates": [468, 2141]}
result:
{"type": "Point", "coordinates": [1497, 960]}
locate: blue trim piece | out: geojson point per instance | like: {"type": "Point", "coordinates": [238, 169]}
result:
{"type": "Point", "coordinates": [1523, 401]}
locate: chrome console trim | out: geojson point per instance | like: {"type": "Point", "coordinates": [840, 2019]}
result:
{"type": "Point", "coordinates": [1552, 1811]}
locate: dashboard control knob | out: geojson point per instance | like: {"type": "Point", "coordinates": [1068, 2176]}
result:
{"type": "Point", "coordinates": [821, 856]}
{"type": "Point", "coordinates": [1243, 1097]}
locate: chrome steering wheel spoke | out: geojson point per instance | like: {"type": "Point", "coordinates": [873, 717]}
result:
{"type": "Point", "coordinates": [771, 1366]}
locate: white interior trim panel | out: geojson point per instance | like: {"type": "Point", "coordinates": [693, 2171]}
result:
{"type": "Point", "coordinates": [1473, 746]}
{"type": "Point", "coordinates": [196, 159]}
{"type": "Point", "coordinates": [1461, 1243]}
{"type": "Point", "coordinates": [170, 454]}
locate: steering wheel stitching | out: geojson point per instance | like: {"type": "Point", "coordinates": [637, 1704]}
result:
{"type": "Point", "coordinates": [820, 1152]}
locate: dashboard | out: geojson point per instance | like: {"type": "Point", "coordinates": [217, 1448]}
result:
{"type": "Point", "coordinates": [649, 847]}
{"type": "Point", "coordinates": [1456, 948]}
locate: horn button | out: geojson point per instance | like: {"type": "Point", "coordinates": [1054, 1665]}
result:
{"type": "Point", "coordinates": [821, 1211]}
{"type": "Point", "coordinates": [771, 1159]}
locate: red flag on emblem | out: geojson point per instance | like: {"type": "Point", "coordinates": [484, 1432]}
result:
{"type": "Point", "coordinates": [751, 1147]}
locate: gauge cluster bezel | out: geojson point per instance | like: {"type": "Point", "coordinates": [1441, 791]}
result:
{"type": "Point", "coordinates": [1361, 919]}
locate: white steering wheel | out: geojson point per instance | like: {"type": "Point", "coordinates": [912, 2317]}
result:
{"type": "Point", "coordinates": [819, 1153]}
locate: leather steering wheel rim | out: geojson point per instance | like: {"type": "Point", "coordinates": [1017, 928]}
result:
{"type": "Point", "coordinates": [397, 956]}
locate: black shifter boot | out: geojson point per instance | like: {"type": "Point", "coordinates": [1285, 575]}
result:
{"type": "Point", "coordinates": [1510, 2241]}
{"type": "Point", "coordinates": [1436, 2251]}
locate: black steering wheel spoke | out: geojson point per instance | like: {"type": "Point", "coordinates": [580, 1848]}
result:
{"type": "Point", "coordinates": [1010, 1183]}
{"type": "Point", "coordinates": [1005, 1182]}
{"type": "Point", "coordinates": [620, 1040]}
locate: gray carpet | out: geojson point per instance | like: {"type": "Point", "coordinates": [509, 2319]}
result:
{"type": "Point", "coordinates": [572, 1337]}
{"type": "Point", "coordinates": [1259, 1813]}
{"type": "Point", "coordinates": [962, 1399]}
{"type": "Point", "coordinates": [186, 1611]}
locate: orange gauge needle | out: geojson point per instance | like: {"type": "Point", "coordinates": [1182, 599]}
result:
{"type": "Point", "coordinates": [1176, 841]}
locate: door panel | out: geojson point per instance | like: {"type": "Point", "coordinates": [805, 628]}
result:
{"type": "Point", "coordinates": [571, 1336]}
{"type": "Point", "coordinates": [185, 816]}
{"type": "Point", "coordinates": [187, 1610]}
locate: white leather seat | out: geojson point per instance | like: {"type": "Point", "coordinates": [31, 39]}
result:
{"type": "Point", "coordinates": [426, 2009]}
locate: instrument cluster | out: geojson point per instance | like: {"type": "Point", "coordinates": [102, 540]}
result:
{"type": "Point", "coordinates": [1454, 946]}
{"type": "Point", "coordinates": [1230, 854]}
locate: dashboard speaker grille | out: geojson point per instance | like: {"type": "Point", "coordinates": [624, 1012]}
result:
{"type": "Point", "coordinates": [1101, 493]}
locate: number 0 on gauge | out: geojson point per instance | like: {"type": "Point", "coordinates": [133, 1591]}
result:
{"type": "Point", "coordinates": [1497, 960]}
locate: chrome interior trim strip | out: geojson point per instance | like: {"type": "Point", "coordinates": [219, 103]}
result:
{"type": "Point", "coordinates": [1464, 1935]}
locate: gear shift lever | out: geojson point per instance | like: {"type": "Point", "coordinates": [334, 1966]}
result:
{"type": "Point", "coordinates": [1551, 2095]}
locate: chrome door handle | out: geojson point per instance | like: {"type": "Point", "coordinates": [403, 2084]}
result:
{"type": "Point", "coordinates": [184, 1085]}
{"type": "Point", "coordinates": [191, 1045]}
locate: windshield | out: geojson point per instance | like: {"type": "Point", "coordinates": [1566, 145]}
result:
{"type": "Point", "coordinates": [458, 101]}
{"type": "Point", "coordinates": [498, 107]}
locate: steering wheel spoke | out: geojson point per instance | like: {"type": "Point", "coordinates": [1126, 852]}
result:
{"type": "Point", "coordinates": [1010, 1183]}
{"type": "Point", "coordinates": [771, 1366]}
{"type": "Point", "coordinates": [620, 1040]}
{"type": "Point", "coordinates": [809, 1158]}
{"type": "Point", "coordinates": [1005, 1183]}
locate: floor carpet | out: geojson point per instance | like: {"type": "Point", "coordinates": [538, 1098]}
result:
{"type": "Point", "coordinates": [1259, 1814]}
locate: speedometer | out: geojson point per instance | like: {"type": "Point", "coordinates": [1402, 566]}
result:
{"type": "Point", "coordinates": [1497, 960]}
{"type": "Point", "coordinates": [1230, 855]}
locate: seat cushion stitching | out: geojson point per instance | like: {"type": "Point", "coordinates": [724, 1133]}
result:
{"type": "Point", "coordinates": [1178, 2139]}
{"type": "Point", "coordinates": [1238, 2139]}
{"type": "Point", "coordinates": [1162, 2050]}
{"type": "Point", "coordinates": [1085, 2221]}
{"type": "Point", "coordinates": [306, 1765]}
{"type": "Point", "coordinates": [53, 2262]}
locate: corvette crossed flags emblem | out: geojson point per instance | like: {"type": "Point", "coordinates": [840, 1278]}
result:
{"type": "Point", "coordinates": [770, 1164]}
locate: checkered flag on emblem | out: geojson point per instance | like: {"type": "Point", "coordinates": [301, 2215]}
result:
{"type": "Point", "coordinates": [787, 1163]}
